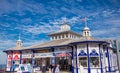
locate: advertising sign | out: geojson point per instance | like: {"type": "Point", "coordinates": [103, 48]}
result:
{"type": "Point", "coordinates": [9, 61]}
{"type": "Point", "coordinates": [27, 54]}
{"type": "Point", "coordinates": [39, 55]}
{"type": "Point", "coordinates": [16, 55]}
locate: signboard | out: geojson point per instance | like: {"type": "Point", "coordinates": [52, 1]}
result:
{"type": "Point", "coordinates": [43, 51]}
{"type": "Point", "coordinates": [9, 59]}
{"type": "Point", "coordinates": [62, 54]}
{"type": "Point", "coordinates": [68, 49]}
{"type": "Point", "coordinates": [16, 55]}
{"type": "Point", "coordinates": [27, 54]}
{"type": "Point", "coordinates": [39, 55]}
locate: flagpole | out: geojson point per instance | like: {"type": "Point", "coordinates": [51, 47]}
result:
{"type": "Point", "coordinates": [85, 22]}
{"type": "Point", "coordinates": [118, 56]}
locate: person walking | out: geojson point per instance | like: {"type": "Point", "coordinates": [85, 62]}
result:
{"type": "Point", "coordinates": [43, 68]}
{"type": "Point", "coordinates": [57, 69]}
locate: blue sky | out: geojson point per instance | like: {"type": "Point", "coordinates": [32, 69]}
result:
{"type": "Point", "coordinates": [34, 19]}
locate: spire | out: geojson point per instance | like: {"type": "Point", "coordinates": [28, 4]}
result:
{"type": "Point", "coordinates": [19, 42]}
{"type": "Point", "coordinates": [86, 30]}
{"type": "Point", "coordinates": [85, 22]}
{"type": "Point", "coordinates": [19, 37]}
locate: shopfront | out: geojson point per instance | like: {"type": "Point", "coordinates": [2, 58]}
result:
{"type": "Point", "coordinates": [63, 57]}
{"type": "Point", "coordinates": [43, 57]}
{"type": "Point", "coordinates": [27, 57]}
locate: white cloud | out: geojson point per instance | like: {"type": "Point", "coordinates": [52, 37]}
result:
{"type": "Point", "coordinates": [39, 28]}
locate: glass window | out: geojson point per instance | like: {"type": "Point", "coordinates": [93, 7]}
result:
{"type": "Point", "coordinates": [83, 61]}
{"type": "Point", "coordinates": [94, 61]}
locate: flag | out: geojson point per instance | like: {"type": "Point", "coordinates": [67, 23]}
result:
{"type": "Point", "coordinates": [84, 19]}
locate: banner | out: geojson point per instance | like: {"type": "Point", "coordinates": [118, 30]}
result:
{"type": "Point", "coordinates": [16, 55]}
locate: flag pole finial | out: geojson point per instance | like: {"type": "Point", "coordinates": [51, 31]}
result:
{"type": "Point", "coordinates": [85, 21]}
{"type": "Point", "coordinates": [19, 36]}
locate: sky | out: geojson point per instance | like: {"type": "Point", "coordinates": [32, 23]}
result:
{"type": "Point", "coordinates": [35, 19]}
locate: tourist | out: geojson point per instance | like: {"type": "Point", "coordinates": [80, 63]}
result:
{"type": "Point", "coordinates": [43, 68]}
{"type": "Point", "coordinates": [57, 69]}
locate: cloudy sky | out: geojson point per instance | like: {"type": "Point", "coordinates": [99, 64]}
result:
{"type": "Point", "coordinates": [34, 19]}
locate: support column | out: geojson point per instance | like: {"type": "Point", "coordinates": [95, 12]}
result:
{"type": "Point", "coordinates": [53, 58]}
{"type": "Point", "coordinates": [72, 59]}
{"type": "Point", "coordinates": [100, 54]}
{"type": "Point", "coordinates": [76, 59]}
{"type": "Point", "coordinates": [89, 71]}
{"type": "Point", "coordinates": [109, 69]}
{"type": "Point", "coordinates": [20, 57]}
{"type": "Point", "coordinates": [33, 58]}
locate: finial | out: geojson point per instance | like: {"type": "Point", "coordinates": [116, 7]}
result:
{"type": "Point", "coordinates": [85, 20]}
{"type": "Point", "coordinates": [19, 36]}
{"type": "Point", "coordinates": [64, 20]}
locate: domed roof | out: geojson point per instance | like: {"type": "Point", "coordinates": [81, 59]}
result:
{"type": "Point", "coordinates": [86, 28]}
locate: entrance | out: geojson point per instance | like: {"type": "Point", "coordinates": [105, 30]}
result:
{"type": "Point", "coordinates": [40, 61]}
{"type": "Point", "coordinates": [65, 63]}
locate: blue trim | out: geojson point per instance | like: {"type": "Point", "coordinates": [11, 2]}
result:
{"type": "Point", "coordinates": [109, 69]}
{"type": "Point", "coordinates": [93, 53]}
{"type": "Point", "coordinates": [82, 53]}
{"type": "Point", "coordinates": [72, 60]}
{"type": "Point", "coordinates": [76, 60]}
{"type": "Point", "coordinates": [33, 60]}
{"type": "Point", "coordinates": [20, 57]}
{"type": "Point", "coordinates": [53, 58]}
{"type": "Point", "coordinates": [89, 71]}
{"type": "Point", "coordinates": [100, 59]}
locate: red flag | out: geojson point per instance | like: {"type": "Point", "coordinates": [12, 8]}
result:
{"type": "Point", "coordinates": [84, 19]}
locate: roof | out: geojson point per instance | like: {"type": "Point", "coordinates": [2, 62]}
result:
{"type": "Point", "coordinates": [61, 32]}
{"type": "Point", "coordinates": [15, 48]}
{"type": "Point", "coordinates": [51, 43]}
{"type": "Point", "coordinates": [61, 42]}
{"type": "Point", "coordinates": [54, 43]}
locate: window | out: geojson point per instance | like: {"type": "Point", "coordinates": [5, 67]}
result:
{"type": "Point", "coordinates": [94, 61]}
{"type": "Point", "coordinates": [83, 61]}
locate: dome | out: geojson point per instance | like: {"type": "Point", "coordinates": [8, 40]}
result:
{"type": "Point", "coordinates": [86, 28]}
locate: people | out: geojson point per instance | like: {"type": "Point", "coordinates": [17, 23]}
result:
{"type": "Point", "coordinates": [81, 69]}
{"type": "Point", "coordinates": [50, 68]}
{"type": "Point", "coordinates": [43, 68]}
{"type": "Point", "coordinates": [53, 68]}
{"type": "Point", "coordinates": [57, 69]}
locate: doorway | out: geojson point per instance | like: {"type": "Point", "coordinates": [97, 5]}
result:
{"type": "Point", "coordinates": [65, 63]}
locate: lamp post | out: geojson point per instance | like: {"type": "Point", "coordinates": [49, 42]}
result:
{"type": "Point", "coordinates": [118, 56]}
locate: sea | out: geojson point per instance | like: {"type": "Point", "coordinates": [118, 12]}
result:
{"type": "Point", "coordinates": [2, 66]}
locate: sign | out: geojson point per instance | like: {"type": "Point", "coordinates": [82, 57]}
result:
{"type": "Point", "coordinates": [39, 55]}
{"type": "Point", "coordinates": [9, 61]}
{"type": "Point", "coordinates": [9, 56]}
{"type": "Point", "coordinates": [27, 54]}
{"type": "Point", "coordinates": [43, 51]}
{"type": "Point", "coordinates": [16, 55]}
{"type": "Point", "coordinates": [69, 49]}
{"type": "Point", "coordinates": [63, 54]}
